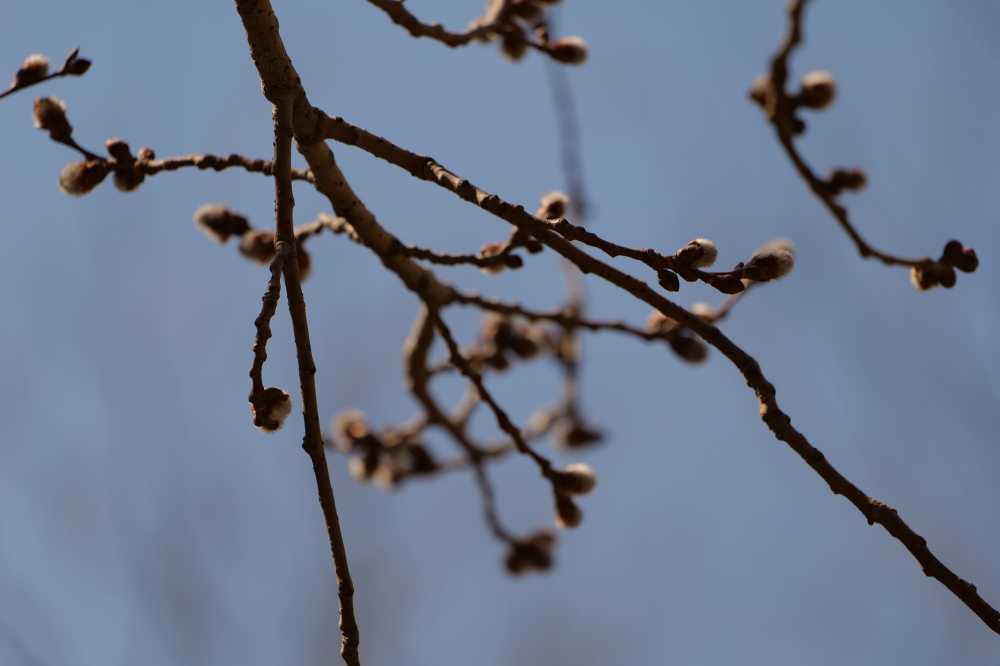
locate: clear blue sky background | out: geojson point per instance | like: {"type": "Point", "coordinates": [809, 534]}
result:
{"type": "Point", "coordinates": [143, 519]}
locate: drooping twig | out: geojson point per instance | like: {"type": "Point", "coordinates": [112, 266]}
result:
{"type": "Point", "coordinates": [818, 90]}
{"type": "Point", "coordinates": [415, 352]}
{"type": "Point", "coordinates": [312, 442]}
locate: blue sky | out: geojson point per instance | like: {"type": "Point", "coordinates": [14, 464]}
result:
{"type": "Point", "coordinates": [142, 517]}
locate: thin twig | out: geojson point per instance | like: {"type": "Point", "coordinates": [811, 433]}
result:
{"type": "Point", "coordinates": [782, 111]}
{"type": "Point", "coordinates": [205, 161]}
{"type": "Point", "coordinates": [312, 442]}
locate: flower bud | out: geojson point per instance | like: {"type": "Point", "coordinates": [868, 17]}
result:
{"type": "Point", "coordinates": [258, 245]}
{"type": "Point", "coordinates": [668, 280]}
{"type": "Point", "coordinates": [80, 178]}
{"type": "Point", "coordinates": [270, 408]}
{"type": "Point", "coordinates": [513, 45]}
{"type": "Point", "coordinates": [553, 205]}
{"type": "Point", "coordinates": [818, 90]}
{"type": "Point", "coordinates": [962, 258]}
{"type": "Point", "coordinates": [771, 261]}
{"type": "Point", "coordinates": [219, 222]}
{"type": "Point", "coordinates": [533, 553]}
{"type": "Point", "coordinates": [852, 180]}
{"type": "Point", "coordinates": [568, 513]}
{"type": "Point", "coordinates": [569, 50]}
{"type": "Point", "coordinates": [49, 114]}
{"type": "Point", "coordinates": [34, 68]}
{"type": "Point", "coordinates": [688, 347]}
{"type": "Point", "coordinates": [699, 253]}
{"type": "Point", "coordinates": [576, 479]}
{"type": "Point", "coordinates": [349, 427]}
{"type": "Point", "coordinates": [574, 435]}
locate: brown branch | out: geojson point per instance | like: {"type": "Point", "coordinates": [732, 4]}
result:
{"type": "Point", "coordinates": [312, 442]}
{"type": "Point", "coordinates": [401, 16]}
{"type": "Point", "coordinates": [269, 305]}
{"type": "Point", "coordinates": [204, 161]}
{"type": "Point", "coordinates": [28, 76]}
{"type": "Point", "coordinates": [777, 421]}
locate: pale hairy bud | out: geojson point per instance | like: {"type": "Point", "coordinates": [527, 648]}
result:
{"type": "Point", "coordinates": [699, 253]}
{"type": "Point", "coordinates": [349, 427]}
{"type": "Point", "coordinates": [49, 114]}
{"type": "Point", "coordinates": [553, 205]}
{"type": "Point", "coordinates": [219, 222]}
{"type": "Point", "coordinates": [79, 178]}
{"type": "Point", "coordinates": [270, 408]}
{"type": "Point", "coordinates": [258, 245]}
{"type": "Point", "coordinates": [818, 90]}
{"type": "Point", "coordinates": [34, 68]}
{"type": "Point", "coordinates": [771, 261]}
{"type": "Point", "coordinates": [704, 311]}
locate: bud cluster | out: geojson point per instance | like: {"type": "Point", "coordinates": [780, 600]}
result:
{"type": "Point", "coordinates": [385, 458]}
{"type": "Point", "coordinates": [220, 223]}
{"type": "Point", "coordinates": [514, 20]}
{"type": "Point", "coordinates": [928, 274]}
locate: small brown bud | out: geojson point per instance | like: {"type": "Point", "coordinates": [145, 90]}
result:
{"type": "Point", "coordinates": [77, 66]}
{"type": "Point", "coordinates": [34, 68]}
{"type": "Point", "coordinates": [569, 50]}
{"type": "Point", "coordinates": [553, 206]}
{"type": "Point", "coordinates": [513, 45]}
{"type": "Point", "coordinates": [79, 178]}
{"type": "Point", "coordinates": [146, 154]}
{"type": "Point", "coordinates": [689, 347]}
{"type": "Point", "coordinates": [668, 280]}
{"type": "Point", "coordinates": [576, 479]}
{"type": "Point", "coordinates": [962, 258]}
{"type": "Point", "coordinates": [945, 274]}
{"type": "Point", "coordinates": [574, 435]}
{"type": "Point", "coordinates": [49, 114]}
{"type": "Point", "coordinates": [270, 408]}
{"type": "Point", "coordinates": [852, 180]}
{"type": "Point", "coordinates": [818, 90]}
{"type": "Point", "coordinates": [219, 223]}
{"type": "Point", "coordinates": [568, 512]}
{"type": "Point", "coordinates": [533, 553]}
